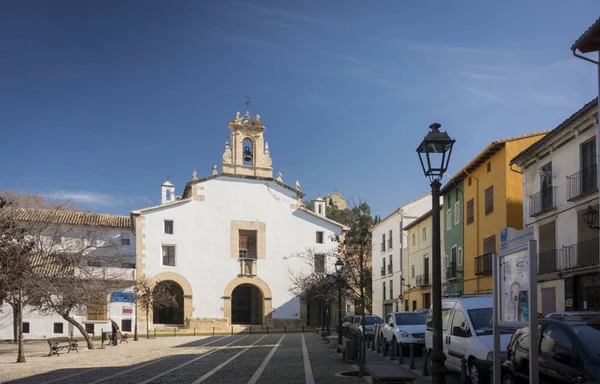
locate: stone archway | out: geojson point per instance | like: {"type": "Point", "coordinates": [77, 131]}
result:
{"type": "Point", "coordinates": [188, 309]}
{"type": "Point", "coordinates": [262, 306]}
{"type": "Point", "coordinates": [173, 315]}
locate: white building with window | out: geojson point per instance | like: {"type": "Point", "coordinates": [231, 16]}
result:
{"type": "Point", "coordinates": [389, 246]}
{"type": "Point", "coordinates": [63, 232]}
{"type": "Point", "coordinates": [559, 185]}
{"type": "Point", "coordinates": [227, 245]}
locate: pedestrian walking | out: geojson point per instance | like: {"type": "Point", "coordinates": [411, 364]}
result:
{"type": "Point", "coordinates": [115, 331]}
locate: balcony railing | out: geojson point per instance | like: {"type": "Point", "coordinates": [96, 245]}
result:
{"type": "Point", "coordinates": [542, 201]}
{"type": "Point", "coordinates": [390, 269]}
{"type": "Point", "coordinates": [454, 272]}
{"type": "Point", "coordinates": [383, 270]}
{"type": "Point", "coordinates": [582, 183]}
{"type": "Point", "coordinates": [483, 264]}
{"type": "Point", "coordinates": [389, 243]}
{"type": "Point", "coordinates": [574, 256]}
{"type": "Point", "coordinates": [382, 246]}
{"type": "Point", "coordinates": [422, 280]}
{"type": "Point", "coordinates": [247, 267]}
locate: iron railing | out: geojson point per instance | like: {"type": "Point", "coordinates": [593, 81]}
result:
{"type": "Point", "coordinates": [581, 255]}
{"type": "Point", "coordinates": [582, 183]}
{"type": "Point", "coordinates": [383, 270]}
{"type": "Point", "coordinates": [383, 246]}
{"type": "Point", "coordinates": [542, 201]}
{"type": "Point", "coordinates": [483, 264]}
{"type": "Point", "coordinates": [453, 271]}
{"type": "Point", "coordinates": [389, 268]}
{"type": "Point", "coordinates": [422, 280]}
{"type": "Point", "coordinates": [247, 254]}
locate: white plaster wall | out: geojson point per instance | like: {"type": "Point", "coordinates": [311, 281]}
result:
{"type": "Point", "coordinates": [395, 222]}
{"type": "Point", "coordinates": [202, 235]}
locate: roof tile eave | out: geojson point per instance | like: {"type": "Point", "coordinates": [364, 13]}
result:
{"type": "Point", "coordinates": [595, 27]}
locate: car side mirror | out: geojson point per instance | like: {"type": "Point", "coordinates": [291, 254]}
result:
{"type": "Point", "coordinates": [562, 357]}
{"type": "Point", "coordinates": [458, 331]}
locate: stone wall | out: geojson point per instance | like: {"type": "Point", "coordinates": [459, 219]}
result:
{"type": "Point", "coordinates": [206, 324]}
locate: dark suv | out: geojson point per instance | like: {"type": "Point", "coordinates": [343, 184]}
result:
{"type": "Point", "coordinates": [569, 352]}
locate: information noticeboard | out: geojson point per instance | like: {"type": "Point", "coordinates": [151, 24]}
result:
{"type": "Point", "coordinates": [515, 300]}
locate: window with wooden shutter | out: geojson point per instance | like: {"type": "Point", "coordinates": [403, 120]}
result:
{"type": "Point", "coordinates": [247, 244]}
{"type": "Point", "coordinates": [489, 200]}
{"type": "Point", "coordinates": [489, 244]}
{"type": "Point", "coordinates": [320, 263]}
{"type": "Point", "coordinates": [97, 308]}
{"type": "Point", "coordinates": [470, 212]}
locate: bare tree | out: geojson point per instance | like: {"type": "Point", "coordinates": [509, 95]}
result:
{"type": "Point", "coordinates": [147, 297]}
{"type": "Point", "coordinates": [15, 271]}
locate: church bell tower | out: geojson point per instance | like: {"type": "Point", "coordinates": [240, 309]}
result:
{"type": "Point", "coordinates": [248, 154]}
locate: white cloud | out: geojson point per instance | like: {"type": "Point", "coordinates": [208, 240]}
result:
{"type": "Point", "coordinates": [94, 198]}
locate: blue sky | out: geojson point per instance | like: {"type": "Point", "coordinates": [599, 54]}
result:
{"type": "Point", "coordinates": [101, 101]}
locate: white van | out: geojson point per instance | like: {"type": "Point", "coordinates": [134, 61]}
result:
{"type": "Point", "coordinates": [467, 324]}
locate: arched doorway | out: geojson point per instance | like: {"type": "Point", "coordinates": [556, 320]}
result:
{"type": "Point", "coordinates": [166, 315]}
{"type": "Point", "coordinates": [246, 305]}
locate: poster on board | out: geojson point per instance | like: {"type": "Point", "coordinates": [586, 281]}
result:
{"type": "Point", "coordinates": [514, 287]}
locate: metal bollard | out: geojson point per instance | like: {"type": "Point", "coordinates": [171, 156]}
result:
{"type": "Point", "coordinates": [463, 371]}
{"type": "Point", "coordinates": [392, 355]}
{"type": "Point", "coordinates": [250, 330]}
{"type": "Point", "coordinates": [378, 345]}
{"type": "Point", "coordinates": [232, 330]}
{"type": "Point", "coordinates": [102, 338]}
{"type": "Point", "coordinates": [285, 329]}
{"type": "Point", "coordinates": [155, 333]}
{"type": "Point", "coordinates": [174, 331]}
{"type": "Point", "coordinates": [425, 362]}
{"type": "Point", "coordinates": [267, 329]}
{"type": "Point", "coordinates": [372, 342]}
{"type": "Point", "coordinates": [385, 348]}
{"type": "Point", "coordinates": [213, 331]}
{"type": "Point", "coordinates": [302, 328]}
{"type": "Point", "coordinates": [412, 357]}
{"type": "Point", "coordinates": [401, 353]}
{"type": "Point", "coordinates": [194, 331]}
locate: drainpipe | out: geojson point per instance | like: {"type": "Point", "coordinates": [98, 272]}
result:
{"type": "Point", "coordinates": [573, 49]}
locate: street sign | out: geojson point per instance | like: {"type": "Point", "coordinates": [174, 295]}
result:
{"type": "Point", "coordinates": [399, 297]}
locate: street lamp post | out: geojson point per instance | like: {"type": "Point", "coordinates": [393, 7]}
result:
{"type": "Point", "coordinates": [434, 154]}
{"type": "Point", "coordinates": [339, 267]}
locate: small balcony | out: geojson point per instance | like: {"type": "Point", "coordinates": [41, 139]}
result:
{"type": "Point", "coordinates": [543, 201]}
{"type": "Point", "coordinates": [575, 256]}
{"type": "Point", "coordinates": [453, 272]}
{"type": "Point", "coordinates": [390, 269]}
{"type": "Point", "coordinates": [247, 254]}
{"type": "Point", "coordinates": [383, 270]}
{"type": "Point", "coordinates": [382, 246]}
{"type": "Point", "coordinates": [582, 183]}
{"type": "Point", "coordinates": [422, 280]}
{"type": "Point", "coordinates": [483, 265]}
{"type": "Point", "coordinates": [247, 267]}
{"type": "Point", "coordinates": [389, 243]}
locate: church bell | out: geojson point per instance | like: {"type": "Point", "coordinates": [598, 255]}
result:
{"type": "Point", "coordinates": [247, 154]}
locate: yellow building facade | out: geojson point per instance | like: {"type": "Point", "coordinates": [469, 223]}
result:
{"type": "Point", "coordinates": [493, 200]}
{"type": "Point", "coordinates": [417, 263]}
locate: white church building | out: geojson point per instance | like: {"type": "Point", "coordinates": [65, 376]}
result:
{"type": "Point", "coordinates": [225, 244]}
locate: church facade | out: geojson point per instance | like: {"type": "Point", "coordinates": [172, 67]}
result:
{"type": "Point", "coordinates": [230, 244]}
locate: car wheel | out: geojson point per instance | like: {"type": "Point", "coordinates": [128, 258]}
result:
{"type": "Point", "coordinates": [508, 379]}
{"type": "Point", "coordinates": [475, 374]}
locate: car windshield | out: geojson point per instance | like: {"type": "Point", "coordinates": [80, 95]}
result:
{"type": "Point", "coordinates": [483, 322]}
{"type": "Point", "coordinates": [589, 336]}
{"type": "Point", "coordinates": [370, 320]}
{"type": "Point", "coordinates": [411, 318]}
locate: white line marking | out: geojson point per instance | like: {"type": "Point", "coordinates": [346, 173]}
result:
{"type": "Point", "coordinates": [259, 371]}
{"type": "Point", "coordinates": [151, 362]}
{"type": "Point", "coordinates": [209, 374]}
{"type": "Point", "coordinates": [191, 361]}
{"type": "Point", "coordinates": [66, 377]}
{"type": "Point", "coordinates": [308, 374]}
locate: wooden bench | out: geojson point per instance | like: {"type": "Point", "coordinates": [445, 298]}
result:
{"type": "Point", "coordinates": [389, 374]}
{"type": "Point", "coordinates": [59, 343]}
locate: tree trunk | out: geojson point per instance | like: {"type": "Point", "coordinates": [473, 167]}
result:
{"type": "Point", "coordinates": [147, 324]}
{"type": "Point", "coordinates": [21, 351]}
{"type": "Point", "coordinates": [81, 328]}
{"type": "Point", "coordinates": [15, 322]}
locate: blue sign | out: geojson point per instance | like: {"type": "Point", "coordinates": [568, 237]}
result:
{"type": "Point", "coordinates": [122, 297]}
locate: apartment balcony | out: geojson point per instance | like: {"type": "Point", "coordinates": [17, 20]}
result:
{"type": "Point", "coordinates": [383, 270]}
{"type": "Point", "coordinates": [389, 243]}
{"type": "Point", "coordinates": [382, 246]}
{"type": "Point", "coordinates": [454, 272]}
{"type": "Point", "coordinates": [582, 183]}
{"type": "Point", "coordinates": [543, 201]}
{"type": "Point", "coordinates": [570, 257]}
{"type": "Point", "coordinates": [390, 269]}
{"type": "Point", "coordinates": [422, 280]}
{"type": "Point", "coordinates": [483, 265]}
{"type": "Point", "coordinates": [247, 267]}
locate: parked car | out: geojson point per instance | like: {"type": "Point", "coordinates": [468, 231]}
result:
{"type": "Point", "coordinates": [580, 315]}
{"type": "Point", "coordinates": [370, 321]}
{"type": "Point", "coordinates": [422, 310]}
{"type": "Point", "coordinates": [404, 327]}
{"type": "Point", "coordinates": [467, 326]}
{"type": "Point", "coordinates": [346, 325]}
{"type": "Point", "coordinates": [568, 351]}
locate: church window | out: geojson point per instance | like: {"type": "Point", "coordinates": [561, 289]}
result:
{"type": "Point", "coordinates": [125, 241]}
{"type": "Point", "coordinates": [320, 237]}
{"type": "Point", "coordinates": [320, 209]}
{"type": "Point", "coordinates": [320, 263]}
{"type": "Point", "coordinates": [247, 244]}
{"type": "Point", "coordinates": [248, 155]}
{"type": "Point", "coordinates": [169, 227]}
{"type": "Point", "coordinates": [168, 253]}
{"type": "Point", "coordinates": [168, 195]}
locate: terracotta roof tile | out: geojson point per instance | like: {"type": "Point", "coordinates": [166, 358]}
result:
{"type": "Point", "coordinates": [65, 217]}
{"type": "Point", "coordinates": [583, 44]}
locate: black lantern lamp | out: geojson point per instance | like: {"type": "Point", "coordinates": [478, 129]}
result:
{"type": "Point", "coordinates": [247, 154]}
{"type": "Point", "coordinates": [590, 217]}
{"type": "Point", "coordinates": [434, 152]}
{"type": "Point", "coordinates": [339, 267]}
